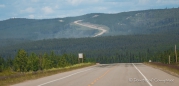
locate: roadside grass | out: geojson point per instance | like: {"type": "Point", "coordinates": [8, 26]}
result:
{"type": "Point", "coordinates": [6, 73]}
{"type": "Point", "coordinates": [14, 77]}
{"type": "Point", "coordinates": [172, 69]}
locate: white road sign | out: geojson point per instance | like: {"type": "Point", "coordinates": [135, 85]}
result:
{"type": "Point", "coordinates": [80, 55]}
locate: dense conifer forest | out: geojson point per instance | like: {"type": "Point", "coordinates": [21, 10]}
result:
{"type": "Point", "coordinates": [46, 54]}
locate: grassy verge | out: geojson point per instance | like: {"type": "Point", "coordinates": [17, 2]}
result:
{"type": "Point", "coordinates": [172, 69]}
{"type": "Point", "coordinates": [14, 77]}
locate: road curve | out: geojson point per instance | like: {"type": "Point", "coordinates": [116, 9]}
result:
{"type": "Point", "coordinates": [119, 74]}
{"type": "Point", "coordinates": [102, 30]}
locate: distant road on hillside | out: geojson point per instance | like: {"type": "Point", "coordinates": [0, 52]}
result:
{"type": "Point", "coordinates": [119, 74]}
{"type": "Point", "coordinates": [101, 29]}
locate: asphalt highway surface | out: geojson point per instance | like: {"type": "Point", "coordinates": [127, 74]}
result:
{"type": "Point", "coordinates": [118, 74]}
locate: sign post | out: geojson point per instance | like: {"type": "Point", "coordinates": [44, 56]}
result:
{"type": "Point", "coordinates": [80, 56]}
{"type": "Point", "coordinates": [169, 59]}
{"type": "Point", "coordinates": [176, 53]}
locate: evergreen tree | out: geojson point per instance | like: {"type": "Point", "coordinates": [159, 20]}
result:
{"type": "Point", "coordinates": [9, 63]}
{"type": "Point", "coordinates": [53, 59]}
{"type": "Point", "coordinates": [20, 61]}
{"type": "Point", "coordinates": [2, 64]}
{"type": "Point", "coordinates": [46, 62]}
{"type": "Point", "coordinates": [63, 62]}
{"type": "Point", "coordinates": [33, 62]}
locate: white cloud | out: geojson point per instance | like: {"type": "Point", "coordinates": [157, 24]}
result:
{"type": "Point", "coordinates": [47, 10]}
{"type": "Point", "coordinates": [167, 1]}
{"type": "Point", "coordinates": [158, 1]}
{"type": "Point", "coordinates": [56, 6]}
{"type": "Point", "coordinates": [28, 10]}
{"type": "Point", "coordinates": [77, 2]}
{"type": "Point", "coordinates": [74, 2]}
{"type": "Point", "coordinates": [31, 16]}
{"type": "Point", "coordinates": [102, 8]}
{"type": "Point", "coordinates": [65, 8]}
{"type": "Point", "coordinates": [34, 0]}
{"type": "Point", "coordinates": [2, 6]}
{"type": "Point", "coordinates": [143, 2]}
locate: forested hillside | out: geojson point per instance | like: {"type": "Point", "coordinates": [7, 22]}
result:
{"type": "Point", "coordinates": [40, 29]}
{"type": "Point", "coordinates": [131, 37]}
{"type": "Point", "coordinates": [125, 23]}
{"type": "Point", "coordinates": [139, 22]}
{"type": "Point", "coordinates": [136, 45]}
{"type": "Point", "coordinates": [55, 53]}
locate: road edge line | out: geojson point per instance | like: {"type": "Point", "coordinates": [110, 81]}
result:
{"type": "Point", "coordinates": [63, 77]}
{"type": "Point", "coordinates": [142, 75]}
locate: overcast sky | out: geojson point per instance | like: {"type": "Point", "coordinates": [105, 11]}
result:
{"type": "Point", "coordinates": [42, 9]}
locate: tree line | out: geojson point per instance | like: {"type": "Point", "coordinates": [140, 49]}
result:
{"type": "Point", "coordinates": [108, 49]}
{"type": "Point", "coordinates": [164, 56]}
{"type": "Point", "coordinates": [160, 56]}
{"type": "Point", "coordinates": [33, 62]}
{"type": "Point", "coordinates": [24, 62]}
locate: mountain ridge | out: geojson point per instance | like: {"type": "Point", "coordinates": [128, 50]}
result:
{"type": "Point", "coordinates": [154, 21]}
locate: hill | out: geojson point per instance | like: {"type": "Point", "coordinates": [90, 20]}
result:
{"type": "Point", "coordinates": [152, 21]}
{"type": "Point", "coordinates": [127, 34]}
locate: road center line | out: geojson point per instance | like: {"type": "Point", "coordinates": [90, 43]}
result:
{"type": "Point", "coordinates": [142, 75]}
{"type": "Point", "coordinates": [63, 77]}
{"type": "Point", "coordinates": [101, 76]}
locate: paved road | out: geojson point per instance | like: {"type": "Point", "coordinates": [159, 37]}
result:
{"type": "Point", "coordinates": [119, 74]}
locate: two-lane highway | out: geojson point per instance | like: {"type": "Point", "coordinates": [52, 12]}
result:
{"type": "Point", "coordinates": [119, 74]}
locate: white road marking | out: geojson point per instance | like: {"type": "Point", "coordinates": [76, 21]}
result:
{"type": "Point", "coordinates": [142, 75]}
{"type": "Point", "coordinates": [64, 77]}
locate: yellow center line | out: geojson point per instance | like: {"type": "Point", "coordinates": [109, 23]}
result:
{"type": "Point", "coordinates": [101, 76]}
